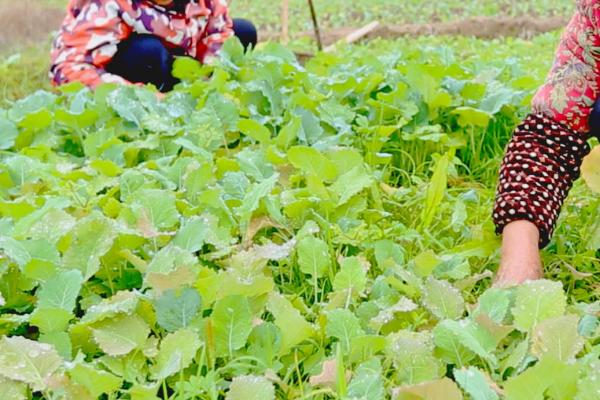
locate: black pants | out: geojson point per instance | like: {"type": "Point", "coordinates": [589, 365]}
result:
{"type": "Point", "coordinates": [595, 120]}
{"type": "Point", "coordinates": [145, 59]}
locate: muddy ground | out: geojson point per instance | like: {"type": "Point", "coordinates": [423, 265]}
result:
{"type": "Point", "coordinates": [481, 27]}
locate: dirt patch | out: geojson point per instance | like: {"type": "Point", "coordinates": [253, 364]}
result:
{"type": "Point", "coordinates": [26, 22]}
{"type": "Point", "coordinates": [481, 27]}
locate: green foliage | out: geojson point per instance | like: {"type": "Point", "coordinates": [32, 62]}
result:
{"type": "Point", "coordinates": [267, 223]}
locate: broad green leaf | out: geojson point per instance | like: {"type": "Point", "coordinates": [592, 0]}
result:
{"type": "Point", "coordinates": [14, 250]}
{"type": "Point", "coordinates": [475, 383]}
{"type": "Point", "coordinates": [175, 310]}
{"type": "Point", "coordinates": [343, 325]}
{"type": "Point", "coordinates": [155, 211]}
{"type": "Point", "coordinates": [412, 354]}
{"type": "Point", "coordinates": [96, 381]}
{"type": "Point", "coordinates": [458, 340]}
{"type": "Point", "coordinates": [250, 387]}
{"type": "Point", "coordinates": [121, 335]}
{"type": "Point", "coordinates": [91, 238]}
{"type": "Point", "coordinates": [468, 116]}
{"type": "Point", "coordinates": [255, 130]}
{"type": "Point", "coordinates": [558, 338]}
{"type": "Point", "coordinates": [252, 200]}
{"type": "Point", "coordinates": [351, 183]}
{"type": "Point", "coordinates": [232, 324]}
{"type": "Point", "coordinates": [51, 319]}
{"type": "Point", "coordinates": [588, 386]}
{"type": "Point", "coordinates": [367, 383]}
{"type": "Point", "coordinates": [442, 389]}
{"type": "Point", "coordinates": [313, 256]}
{"type": "Point", "coordinates": [177, 351]}
{"type": "Point", "coordinates": [442, 299]}
{"type": "Point", "coordinates": [61, 290]}
{"type": "Point", "coordinates": [550, 376]}
{"type": "Point", "coordinates": [294, 328]}
{"type": "Point", "coordinates": [495, 303]}
{"type": "Point", "coordinates": [171, 268]}
{"type": "Point", "coordinates": [265, 342]}
{"type": "Point", "coordinates": [311, 161]}
{"type": "Point", "coordinates": [351, 278]}
{"type": "Point", "coordinates": [8, 134]}
{"type": "Point", "coordinates": [537, 301]}
{"type": "Point", "coordinates": [121, 303]}
{"type": "Point", "coordinates": [27, 361]}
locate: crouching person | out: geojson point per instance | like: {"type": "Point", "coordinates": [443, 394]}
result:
{"type": "Point", "coordinates": [135, 41]}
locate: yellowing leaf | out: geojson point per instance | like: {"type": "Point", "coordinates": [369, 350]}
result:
{"type": "Point", "coordinates": [121, 335]}
{"type": "Point", "coordinates": [250, 387]}
{"type": "Point", "coordinates": [557, 337]}
{"type": "Point", "coordinates": [537, 301]}
{"type": "Point", "coordinates": [27, 361]}
{"type": "Point", "coordinates": [177, 350]}
{"type": "Point", "coordinates": [442, 389]}
{"type": "Point", "coordinates": [590, 169]}
{"type": "Point", "coordinates": [96, 381]}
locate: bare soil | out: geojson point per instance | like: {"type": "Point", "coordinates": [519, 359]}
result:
{"type": "Point", "coordinates": [481, 27]}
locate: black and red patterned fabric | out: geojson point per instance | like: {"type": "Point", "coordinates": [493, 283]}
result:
{"type": "Point", "coordinates": [542, 161]}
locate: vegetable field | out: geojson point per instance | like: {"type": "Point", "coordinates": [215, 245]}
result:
{"type": "Point", "coordinates": [272, 230]}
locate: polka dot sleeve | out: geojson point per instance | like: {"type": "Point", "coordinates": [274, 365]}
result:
{"type": "Point", "coordinates": [540, 165]}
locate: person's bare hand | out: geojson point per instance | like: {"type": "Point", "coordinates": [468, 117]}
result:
{"type": "Point", "coordinates": [520, 255]}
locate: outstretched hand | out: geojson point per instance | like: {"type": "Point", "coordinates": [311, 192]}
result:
{"type": "Point", "coordinates": [520, 255]}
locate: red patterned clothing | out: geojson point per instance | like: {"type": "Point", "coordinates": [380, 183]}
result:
{"type": "Point", "coordinates": [92, 30]}
{"type": "Point", "coordinates": [546, 151]}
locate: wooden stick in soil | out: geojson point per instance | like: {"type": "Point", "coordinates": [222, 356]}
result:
{"type": "Point", "coordinates": [285, 21]}
{"type": "Point", "coordinates": [356, 35]}
{"type": "Point", "coordinates": [313, 14]}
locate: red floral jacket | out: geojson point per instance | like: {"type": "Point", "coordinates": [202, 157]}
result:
{"type": "Point", "coordinates": [92, 29]}
{"type": "Point", "coordinates": [544, 156]}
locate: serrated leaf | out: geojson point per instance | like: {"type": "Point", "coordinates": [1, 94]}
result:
{"type": "Point", "coordinates": [550, 376]}
{"type": "Point", "coordinates": [12, 390]}
{"type": "Point", "coordinates": [175, 310]}
{"type": "Point", "coordinates": [177, 351]}
{"type": "Point", "coordinates": [537, 301]}
{"type": "Point", "coordinates": [351, 183]}
{"type": "Point", "coordinates": [27, 361]}
{"type": "Point", "coordinates": [250, 387]}
{"type": "Point", "coordinates": [294, 328]}
{"type": "Point", "coordinates": [495, 303]}
{"type": "Point", "coordinates": [155, 211]}
{"type": "Point", "coordinates": [121, 335]}
{"type": "Point", "coordinates": [475, 383]}
{"type": "Point", "coordinates": [343, 325]}
{"type": "Point", "coordinates": [232, 324]}
{"type": "Point", "coordinates": [96, 381]}
{"type": "Point", "coordinates": [313, 256]}
{"type": "Point", "coordinates": [351, 278]}
{"type": "Point", "coordinates": [123, 302]}
{"type": "Point", "coordinates": [61, 291]}
{"type": "Point", "coordinates": [442, 299]}
{"type": "Point", "coordinates": [51, 319]}
{"type": "Point", "coordinates": [450, 336]}
{"type": "Point", "coordinates": [311, 161]}
{"type": "Point", "coordinates": [171, 268]}
{"type": "Point", "coordinates": [367, 383]}
{"type": "Point", "coordinates": [412, 354]}
{"type": "Point", "coordinates": [254, 130]}
{"type": "Point", "coordinates": [558, 338]}
{"type": "Point", "coordinates": [91, 238]}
